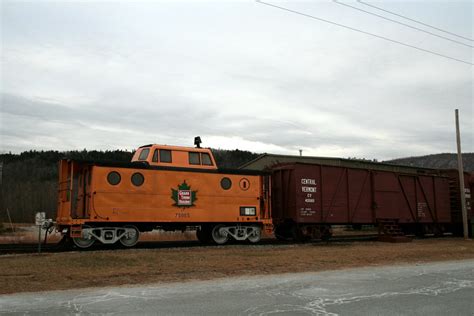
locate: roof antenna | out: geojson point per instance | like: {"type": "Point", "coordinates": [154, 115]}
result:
{"type": "Point", "coordinates": [197, 141]}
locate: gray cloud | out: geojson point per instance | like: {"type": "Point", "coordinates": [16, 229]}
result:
{"type": "Point", "coordinates": [105, 76]}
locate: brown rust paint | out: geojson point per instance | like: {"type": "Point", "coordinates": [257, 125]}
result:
{"type": "Point", "coordinates": [314, 193]}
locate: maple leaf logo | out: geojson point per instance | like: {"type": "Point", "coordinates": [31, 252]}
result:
{"type": "Point", "coordinates": [184, 196]}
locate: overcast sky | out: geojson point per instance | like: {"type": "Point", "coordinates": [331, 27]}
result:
{"type": "Point", "coordinates": [117, 75]}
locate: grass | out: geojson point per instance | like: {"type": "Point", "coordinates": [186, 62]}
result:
{"type": "Point", "coordinates": [57, 271]}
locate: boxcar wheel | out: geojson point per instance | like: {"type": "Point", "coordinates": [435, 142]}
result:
{"type": "Point", "coordinates": [204, 235]}
{"type": "Point", "coordinates": [281, 233]}
{"type": "Point", "coordinates": [298, 235]}
{"type": "Point", "coordinates": [130, 239]}
{"type": "Point", "coordinates": [83, 243]}
{"type": "Point", "coordinates": [326, 234]}
{"type": "Point", "coordinates": [218, 237]}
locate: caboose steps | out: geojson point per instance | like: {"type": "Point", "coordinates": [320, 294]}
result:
{"type": "Point", "coordinates": [76, 231]}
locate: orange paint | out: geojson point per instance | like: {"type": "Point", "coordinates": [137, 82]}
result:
{"type": "Point", "coordinates": [170, 196]}
{"type": "Point", "coordinates": [174, 156]}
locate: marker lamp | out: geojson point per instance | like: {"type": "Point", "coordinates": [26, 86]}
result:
{"type": "Point", "coordinates": [248, 211]}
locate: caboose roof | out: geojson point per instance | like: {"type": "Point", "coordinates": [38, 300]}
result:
{"type": "Point", "coordinates": [177, 148]}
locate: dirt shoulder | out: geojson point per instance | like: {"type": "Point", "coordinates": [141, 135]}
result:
{"type": "Point", "coordinates": [57, 271]}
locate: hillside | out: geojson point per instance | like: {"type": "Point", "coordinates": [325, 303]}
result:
{"type": "Point", "coordinates": [437, 161]}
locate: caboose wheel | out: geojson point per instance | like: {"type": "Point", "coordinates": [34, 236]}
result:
{"type": "Point", "coordinates": [130, 239]}
{"type": "Point", "coordinates": [256, 235]}
{"type": "Point", "coordinates": [218, 236]}
{"type": "Point", "coordinates": [82, 242]}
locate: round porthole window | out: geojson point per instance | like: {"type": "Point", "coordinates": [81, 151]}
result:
{"type": "Point", "coordinates": [226, 183]}
{"type": "Point", "coordinates": [137, 179]}
{"type": "Point", "coordinates": [113, 178]}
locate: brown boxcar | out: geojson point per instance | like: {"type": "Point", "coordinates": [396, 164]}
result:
{"type": "Point", "coordinates": [308, 198]}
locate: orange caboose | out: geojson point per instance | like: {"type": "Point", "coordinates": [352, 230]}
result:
{"type": "Point", "coordinates": [164, 187]}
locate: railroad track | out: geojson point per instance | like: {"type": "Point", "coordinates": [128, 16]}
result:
{"type": "Point", "coordinates": [50, 248]}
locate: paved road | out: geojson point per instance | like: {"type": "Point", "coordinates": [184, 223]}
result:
{"type": "Point", "coordinates": [424, 289]}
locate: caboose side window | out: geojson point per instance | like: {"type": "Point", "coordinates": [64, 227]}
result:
{"type": "Point", "coordinates": [165, 155]}
{"type": "Point", "coordinates": [113, 178]}
{"type": "Point", "coordinates": [194, 158]}
{"type": "Point", "coordinates": [226, 183]}
{"type": "Point", "coordinates": [144, 154]}
{"type": "Point", "coordinates": [155, 156]}
{"type": "Point", "coordinates": [206, 159]}
{"type": "Point", "coordinates": [137, 179]}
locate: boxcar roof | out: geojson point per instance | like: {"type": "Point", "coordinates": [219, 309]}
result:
{"type": "Point", "coordinates": [266, 161]}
